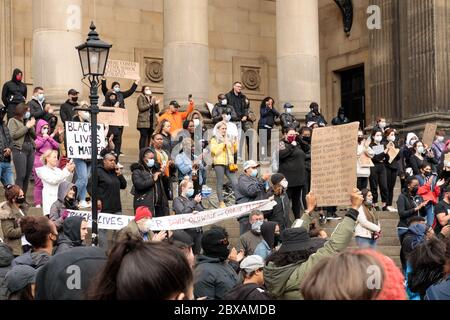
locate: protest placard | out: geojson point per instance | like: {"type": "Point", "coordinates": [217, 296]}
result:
{"type": "Point", "coordinates": [117, 118]}
{"type": "Point", "coordinates": [122, 69]}
{"type": "Point", "coordinates": [429, 133]}
{"type": "Point", "coordinates": [177, 222]}
{"type": "Point", "coordinates": [333, 164]}
{"type": "Point", "coordinates": [393, 152]}
{"type": "Point", "coordinates": [79, 139]}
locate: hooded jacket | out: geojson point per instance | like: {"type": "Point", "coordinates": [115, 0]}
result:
{"type": "Point", "coordinates": [32, 259]}
{"type": "Point", "coordinates": [20, 132]}
{"type": "Point", "coordinates": [131, 231]}
{"type": "Point", "coordinates": [250, 291]}
{"type": "Point", "coordinates": [219, 110]}
{"type": "Point", "coordinates": [213, 278]}
{"type": "Point", "coordinates": [413, 237]}
{"type": "Point", "coordinates": [439, 291]}
{"type": "Point", "coordinates": [121, 95]}
{"type": "Point", "coordinates": [37, 110]}
{"type": "Point", "coordinates": [264, 248]}
{"type": "Point", "coordinates": [14, 92]}
{"type": "Point", "coordinates": [42, 143]}
{"type": "Point", "coordinates": [5, 142]}
{"type": "Point", "coordinates": [10, 228]}
{"type": "Point", "coordinates": [108, 187]}
{"type": "Point", "coordinates": [292, 163]}
{"type": "Point", "coordinates": [238, 103]}
{"type": "Point", "coordinates": [71, 236]}
{"type": "Point", "coordinates": [280, 212]}
{"type": "Point", "coordinates": [339, 120]}
{"type": "Point", "coordinates": [249, 189]}
{"type": "Point", "coordinates": [284, 282]}
{"type": "Point", "coordinates": [146, 191]}
{"type": "Point", "coordinates": [248, 242]}
{"type": "Point", "coordinates": [61, 204]}
{"type": "Point", "coordinates": [6, 257]}
{"type": "Point", "coordinates": [406, 209]}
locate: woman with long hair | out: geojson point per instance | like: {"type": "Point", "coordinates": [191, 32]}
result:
{"type": "Point", "coordinates": [368, 229]}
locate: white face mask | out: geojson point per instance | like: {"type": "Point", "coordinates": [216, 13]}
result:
{"type": "Point", "coordinates": [45, 131]}
{"type": "Point", "coordinates": [412, 142]}
{"type": "Point", "coordinates": [284, 183]}
{"type": "Point", "coordinates": [289, 110]}
{"type": "Point", "coordinates": [391, 138]}
{"type": "Point", "coordinates": [382, 125]}
{"type": "Point", "coordinates": [420, 150]}
{"type": "Point", "coordinates": [378, 139]}
{"type": "Point", "coordinates": [148, 92]}
{"type": "Point", "coordinates": [440, 139]}
{"type": "Point", "coordinates": [224, 102]}
{"type": "Point", "coordinates": [86, 116]}
{"type": "Point", "coordinates": [227, 117]}
{"type": "Point", "coordinates": [196, 122]}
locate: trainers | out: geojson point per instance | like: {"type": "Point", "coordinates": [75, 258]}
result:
{"type": "Point", "coordinates": [84, 204]}
{"type": "Point", "coordinates": [222, 204]}
{"type": "Point", "coordinates": [391, 209]}
{"type": "Point", "coordinates": [334, 216]}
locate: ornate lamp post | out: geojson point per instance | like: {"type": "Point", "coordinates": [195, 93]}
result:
{"type": "Point", "coordinates": [93, 58]}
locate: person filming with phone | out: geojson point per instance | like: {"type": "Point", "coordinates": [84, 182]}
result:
{"type": "Point", "coordinates": [177, 117]}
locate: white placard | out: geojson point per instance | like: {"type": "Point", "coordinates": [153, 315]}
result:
{"type": "Point", "coordinates": [79, 137]}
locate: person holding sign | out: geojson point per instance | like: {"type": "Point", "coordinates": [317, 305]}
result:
{"type": "Point", "coordinates": [392, 166]}
{"type": "Point", "coordinates": [438, 146]}
{"type": "Point", "coordinates": [21, 129]}
{"type": "Point", "coordinates": [422, 154]}
{"type": "Point", "coordinates": [147, 119]}
{"type": "Point", "coordinates": [378, 171]}
{"type": "Point", "coordinates": [51, 177]}
{"type": "Point", "coordinates": [364, 154]}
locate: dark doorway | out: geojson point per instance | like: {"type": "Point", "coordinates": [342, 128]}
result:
{"type": "Point", "coordinates": [353, 94]}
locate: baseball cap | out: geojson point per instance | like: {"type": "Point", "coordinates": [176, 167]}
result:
{"type": "Point", "coordinates": [288, 105]}
{"type": "Point", "coordinates": [72, 92]}
{"type": "Point", "coordinates": [252, 263]}
{"type": "Point", "coordinates": [174, 103]}
{"type": "Point", "coordinates": [250, 164]}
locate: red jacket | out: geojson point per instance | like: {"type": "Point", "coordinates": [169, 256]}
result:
{"type": "Point", "coordinates": [426, 193]}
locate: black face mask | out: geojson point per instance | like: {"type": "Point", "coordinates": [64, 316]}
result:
{"type": "Point", "coordinates": [276, 240]}
{"type": "Point", "coordinates": [427, 174]}
{"type": "Point", "coordinates": [306, 139]}
{"type": "Point", "coordinates": [360, 139]}
{"type": "Point", "coordinates": [74, 99]}
{"type": "Point", "coordinates": [414, 190]}
{"type": "Point", "coordinates": [20, 200]}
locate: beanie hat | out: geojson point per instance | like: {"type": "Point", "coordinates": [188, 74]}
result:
{"type": "Point", "coordinates": [277, 178]}
{"type": "Point", "coordinates": [215, 243]}
{"type": "Point", "coordinates": [394, 281]}
{"type": "Point", "coordinates": [142, 213]}
{"type": "Point", "coordinates": [19, 277]}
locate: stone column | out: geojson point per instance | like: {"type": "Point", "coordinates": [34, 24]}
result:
{"type": "Point", "coordinates": [186, 52]}
{"type": "Point", "coordinates": [298, 53]}
{"type": "Point", "coordinates": [6, 50]}
{"type": "Point", "coordinates": [56, 32]}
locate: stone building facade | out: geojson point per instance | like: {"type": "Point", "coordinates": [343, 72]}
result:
{"type": "Point", "coordinates": [292, 50]}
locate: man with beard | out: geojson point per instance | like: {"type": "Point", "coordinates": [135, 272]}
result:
{"type": "Point", "coordinates": [250, 239]}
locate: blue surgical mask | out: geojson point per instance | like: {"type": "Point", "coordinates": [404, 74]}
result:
{"type": "Point", "coordinates": [254, 173]}
{"type": "Point", "coordinates": [116, 89]}
{"type": "Point", "coordinates": [189, 193]}
{"type": "Point", "coordinates": [27, 115]}
{"type": "Point", "coordinates": [150, 163]}
{"type": "Point", "coordinates": [369, 202]}
{"type": "Point", "coordinates": [40, 97]}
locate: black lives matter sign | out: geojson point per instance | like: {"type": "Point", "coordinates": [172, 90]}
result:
{"type": "Point", "coordinates": [79, 140]}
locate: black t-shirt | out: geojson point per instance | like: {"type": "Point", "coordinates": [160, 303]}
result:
{"type": "Point", "coordinates": [441, 207]}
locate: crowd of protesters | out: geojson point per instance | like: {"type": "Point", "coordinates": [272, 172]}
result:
{"type": "Point", "coordinates": [282, 253]}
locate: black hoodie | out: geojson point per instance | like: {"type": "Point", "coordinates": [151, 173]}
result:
{"type": "Point", "coordinates": [71, 236]}
{"type": "Point", "coordinates": [14, 92]}
{"type": "Point", "coordinates": [268, 232]}
{"type": "Point", "coordinates": [250, 291]}
{"type": "Point", "coordinates": [6, 257]}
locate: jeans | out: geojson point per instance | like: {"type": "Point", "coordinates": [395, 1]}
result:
{"type": "Point", "coordinates": [365, 242]}
{"type": "Point", "coordinates": [429, 209]}
{"type": "Point", "coordinates": [378, 180]}
{"type": "Point", "coordinates": [6, 173]}
{"type": "Point", "coordinates": [23, 162]}
{"type": "Point", "coordinates": [83, 170]}
{"type": "Point", "coordinates": [221, 171]}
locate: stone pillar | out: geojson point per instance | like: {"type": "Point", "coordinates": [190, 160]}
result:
{"type": "Point", "coordinates": [298, 53]}
{"type": "Point", "coordinates": [6, 50]}
{"type": "Point", "coordinates": [56, 33]}
{"type": "Point", "coordinates": [186, 52]}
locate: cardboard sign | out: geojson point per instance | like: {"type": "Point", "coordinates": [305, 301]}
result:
{"type": "Point", "coordinates": [79, 138]}
{"type": "Point", "coordinates": [365, 161]}
{"type": "Point", "coordinates": [333, 169]}
{"type": "Point", "coordinates": [429, 134]}
{"type": "Point", "coordinates": [117, 118]}
{"type": "Point", "coordinates": [122, 69]}
{"type": "Point", "coordinates": [393, 152]}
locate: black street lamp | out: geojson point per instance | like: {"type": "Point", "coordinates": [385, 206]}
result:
{"type": "Point", "coordinates": [93, 58]}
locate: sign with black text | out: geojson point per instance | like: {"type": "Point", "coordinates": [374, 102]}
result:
{"type": "Point", "coordinates": [79, 139]}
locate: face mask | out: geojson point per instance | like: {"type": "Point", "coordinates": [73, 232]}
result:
{"type": "Point", "coordinates": [19, 77]}
{"type": "Point", "coordinates": [284, 184]}
{"type": "Point", "coordinates": [369, 203]}
{"type": "Point", "coordinates": [289, 110]}
{"type": "Point", "coordinates": [86, 116]}
{"type": "Point", "coordinates": [440, 139]}
{"type": "Point", "coordinates": [113, 101]}
{"type": "Point", "coordinates": [306, 139]}
{"type": "Point", "coordinates": [196, 122]}
{"type": "Point", "coordinates": [427, 174]}
{"type": "Point", "coordinates": [414, 190]}
{"type": "Point", "coordinates": [420, 150]}
{"type": "Point", "coordinates": [20, 200]}
{"type": "Point", "coordinates": [378, 139]}
{"type": "Point", "coordinates": [291, 139]}
{"type": "Point", "coordinates": [40, 97]}
{"type": "Point", "coordinates": [382, 125]}
{"type": "Point", "coordinates": [45, 131]}
{"type": "Point", "coordinates": [189, 193]}
{"type": "Point", "coordinates": [391, 138]}
{"type": "Point", "coordinates": [74, 99]}
{"type": "Point", "coordinates": [227, 117]}
{"type": "Point", "coordinates": [256, 226]}
{"type": "Point", "coordinates": [276, 239]}
{"type": "Point", "coordinates": [148, 92]}
{"type": "Point", "coordinates": [224, 102]}
{"type": "Point", "coordinates": [360, 139]}
{"type": "Point", "coordinates": [150, 163]}
{"type": "Point", "coordinates": [27, 115]}
{"type": "Point", "coordinates": [116, 89]}
{"type": "Point", "coordinates": [254, 173]}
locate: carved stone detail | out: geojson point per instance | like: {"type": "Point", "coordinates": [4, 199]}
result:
{"type": "Point", "coordinates": [251, 77]}
{"type": "Point", "coordinates": [154, 70]}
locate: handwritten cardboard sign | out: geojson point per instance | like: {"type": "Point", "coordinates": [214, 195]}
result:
{"type": "Point", "coordinates": [117, 118]}
{"type": "Point", "coordinates": [79, 139]}
{"type": "Point", "coordinates": [122, 69]}
{"type": "Point", "coordinates": [429, 133]}
{"type": "Point", "coordinates": [333, 164]}
{"type": "Point", "coordinates": [393, 152]}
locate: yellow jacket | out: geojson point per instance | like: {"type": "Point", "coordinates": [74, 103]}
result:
{"type": "Point", "coordinates": [218, 148]}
